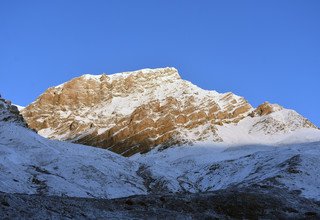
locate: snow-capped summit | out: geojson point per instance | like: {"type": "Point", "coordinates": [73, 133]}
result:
{"type": "Point", "coordinates": [136, 111]}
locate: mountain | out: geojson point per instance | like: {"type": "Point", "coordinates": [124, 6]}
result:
{"type": "Point", "coordinates": [134, 112]}
{"type": "Point", "coordinates": [35, 165]}
{"type": "Point", "coordinates": [233, 178]}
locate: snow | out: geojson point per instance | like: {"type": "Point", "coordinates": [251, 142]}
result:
{"type": "Point", "coordinates": [46, 132]}
{"type": "Point", "coordinates": [32, 164]}
{"type": "Point", "coordinates": [255, 130]}
{"type": "Point", "coordinates": [115, 76]}
{"type": "Point", "coordinates": [200, 168]}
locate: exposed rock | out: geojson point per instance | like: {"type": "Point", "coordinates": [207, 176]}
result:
{"type": "Point", "coordinates": [10, 113]}
{"type": "Point", "coordinates": [266, 109]}
{"type": "Point", "coordinates": [232, 203]}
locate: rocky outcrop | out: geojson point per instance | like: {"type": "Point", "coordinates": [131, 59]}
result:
{"type": "Point", "coordinates": [266, 109]}
{"type": "Point", "coordinates": [134, 111]}
{"type": "Point", "coordinates": [10, 113]}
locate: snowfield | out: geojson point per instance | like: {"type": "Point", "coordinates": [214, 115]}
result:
{"type": "Point", "coordinates": [32, 164]}
{"type": "Point", "coordinates": [202, 168]}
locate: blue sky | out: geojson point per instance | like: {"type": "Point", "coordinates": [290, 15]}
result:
{"type": "Point", "coordinates": [262, 50]}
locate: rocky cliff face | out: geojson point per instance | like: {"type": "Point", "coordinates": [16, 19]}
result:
{"type": "Point", "coordinates": [136, 111]}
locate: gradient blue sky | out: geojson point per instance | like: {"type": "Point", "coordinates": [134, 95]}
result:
{"type": "Point", "coordinates": [262, 50]}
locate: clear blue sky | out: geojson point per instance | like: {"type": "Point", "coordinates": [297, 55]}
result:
{"type": "Point", "coordinates": [262, 50]}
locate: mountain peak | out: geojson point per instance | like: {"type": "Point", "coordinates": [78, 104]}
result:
{"type": "Point", "coordinates": [133, 112]}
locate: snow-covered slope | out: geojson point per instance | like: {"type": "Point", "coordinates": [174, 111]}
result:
{"type": "Point", "coordinates": [32, 164]}
{"type": "Point", "coordinates": [202, 168]}
{"type": "Point", "coordinates": [276, 127]}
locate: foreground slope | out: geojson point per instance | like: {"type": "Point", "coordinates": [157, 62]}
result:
{"type": "Point", "coordinates": [233, 203]}
{"type": "Point", "coordinates": [32, 164]}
